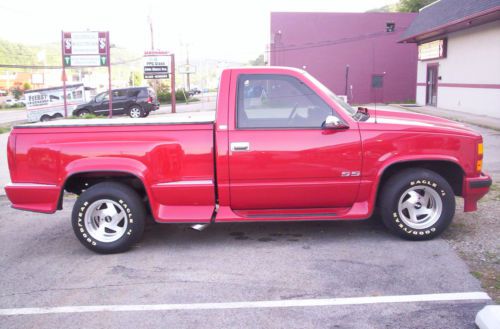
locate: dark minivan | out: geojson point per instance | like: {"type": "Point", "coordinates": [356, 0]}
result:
{"type": "Point", "coordinates": [135, 102]}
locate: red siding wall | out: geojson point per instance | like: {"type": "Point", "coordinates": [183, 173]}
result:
{"type": "Point", "coordinates": [326, 42]}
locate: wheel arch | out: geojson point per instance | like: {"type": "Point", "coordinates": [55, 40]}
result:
{"type": "Point", "coordinates": [77, 111]}
{"type": "Point", "coordinates": [83, 173]}
{"type": "Point", "coordinates": [449, 169]}
{"type": "Point", "coordinates": [134, 103]}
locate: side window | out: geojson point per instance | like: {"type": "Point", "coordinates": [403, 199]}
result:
{"type": "Point", "coordinates": [102, 97]}
{"type": "Point", "coordinates": [278, 101]}
{"type": "Point", "coordinates": [133, 93]}
{"type": "Point", "coordinates": [119, 93]}
{"type": "Point", "coordinates": [77, 94]}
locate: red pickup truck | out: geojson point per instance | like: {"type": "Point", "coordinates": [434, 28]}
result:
{"type": "Point", "coordinates": [281, 147]}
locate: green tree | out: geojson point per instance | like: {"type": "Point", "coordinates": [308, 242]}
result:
{"type": "Point", "coordinates": [412, 6]}
{"type": "Point", "coordinates": [135, 79]}
{"type": "Point", "coordinates": [17, 92]}
{"type": "Point", "coordinates": [259, 61]}
{"type": "Point", "coordinates": [26, 86]}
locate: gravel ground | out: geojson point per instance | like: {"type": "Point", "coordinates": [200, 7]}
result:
{"type": "Point", "coordinates": [474, 236]}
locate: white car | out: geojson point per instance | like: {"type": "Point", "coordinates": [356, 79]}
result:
{"type": "Point", "coordinates": [13, 101]}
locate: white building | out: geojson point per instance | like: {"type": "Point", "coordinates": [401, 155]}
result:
{"type": "Point", "coordinates": [459, 55]}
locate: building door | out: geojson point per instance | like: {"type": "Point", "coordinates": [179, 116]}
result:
{"type": "Point", "coordinates": [431, 91]}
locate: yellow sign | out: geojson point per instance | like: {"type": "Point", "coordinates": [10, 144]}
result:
{"type": "Point", "coordinates": [432, 50]}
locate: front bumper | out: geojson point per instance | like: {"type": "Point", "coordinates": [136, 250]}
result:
{"type": "Point", "coordinates": [474, 188]}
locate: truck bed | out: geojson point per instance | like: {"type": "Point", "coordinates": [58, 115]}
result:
{"type": "Point", "coordinates": [171, 155]}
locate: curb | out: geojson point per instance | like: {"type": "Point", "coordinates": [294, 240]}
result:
{"type": "Point", "coordinates": [478, 123]}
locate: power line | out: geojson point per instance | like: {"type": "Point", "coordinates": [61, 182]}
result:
{"type": "Point", "coordinates": [327, 43]}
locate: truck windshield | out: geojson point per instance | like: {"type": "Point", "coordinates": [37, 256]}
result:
{"type": "Point", "coordinates": [349, 109]}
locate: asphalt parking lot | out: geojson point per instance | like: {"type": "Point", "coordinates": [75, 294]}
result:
{"type": "Point", "coordinates": [255, 275]}
{"type": "Point", "coordinates": [43, 265]}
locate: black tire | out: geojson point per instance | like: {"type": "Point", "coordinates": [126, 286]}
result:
{"type": "Point", "coordinates": [425, 190]}
{"type": "Point", "coordinates": [135, 111]}
{"type": "Point", "coordinates": [57, 116]}
{"type": "Point", "coordinates": [82, 113]}
{"type": "Point", "coordinates": [146, 113]}
{"type": "Point", "coordinates": [45, 118]}
{"type": "Point", "coordinates": [125, 201]}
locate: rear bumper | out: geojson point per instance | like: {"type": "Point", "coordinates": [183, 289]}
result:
{"type": "Point", "coordinates": [33, 197]}
{"type": "Point", "coordinates": [474, 189]}
{"type": "Point", "coordinates": [151, 106]}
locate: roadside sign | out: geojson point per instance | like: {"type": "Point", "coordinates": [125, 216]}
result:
{"type": "Point", "coordinates": [155, 65]}
{"type": "Point", "coordinates": [85, 60]}
{"type": "Point", "coordinates": [84, 49]}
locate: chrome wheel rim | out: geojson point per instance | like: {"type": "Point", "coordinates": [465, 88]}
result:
{"type": "Point", "coordinates": [82, 114]}
{"type": "Point", "coordinates": [420, 207]}
{"type": "Point", "coordinates": [106, 220]}
{"type": "Point", "coordinates": [135, 112]}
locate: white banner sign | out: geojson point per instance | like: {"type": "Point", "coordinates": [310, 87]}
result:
{"type": "Point", "coordinates": [85, 43]}
{"type": "Point", "coordinates": [156, 60]}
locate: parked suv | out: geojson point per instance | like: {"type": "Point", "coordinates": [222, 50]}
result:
{"type": "Point", "coordinates": [135, 101]}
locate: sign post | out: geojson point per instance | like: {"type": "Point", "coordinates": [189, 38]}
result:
{"type": "Point", "coordinates": [63, 76]}
{"type": "Point", "coordinates": [110, 93]}
{"type": "Point", "coordinates": [172, 83]}
{"type": "Point", "coordinates": [85, 49]}
{"type": "Point", "coordinates": [156, 67]}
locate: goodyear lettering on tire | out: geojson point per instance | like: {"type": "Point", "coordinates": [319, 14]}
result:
{"type": "Point", "coordinates": [83, 230]}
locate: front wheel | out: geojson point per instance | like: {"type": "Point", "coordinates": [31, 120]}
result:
{"type": "Point", "coordinates": [83, 113]}
{"type": "Point", "coordinates": [417, 204]}
{"type": "Point", "coordinates": [108, 218]}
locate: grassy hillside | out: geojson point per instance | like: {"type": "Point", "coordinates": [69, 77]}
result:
{"type": "Point", "coordinates": [21, 54]}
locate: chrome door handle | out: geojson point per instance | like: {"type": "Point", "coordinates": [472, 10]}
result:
{"type": "Point", "coordinates": [240, 146]}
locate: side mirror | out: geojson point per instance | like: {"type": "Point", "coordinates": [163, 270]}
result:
{"type": "Point", "coordinates": [332, 122]}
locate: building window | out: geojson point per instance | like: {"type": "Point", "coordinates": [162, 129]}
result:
{"type": "Point", "coordinates": [377, 81]}
{"type": "Point", "coordinates": [390, 27]}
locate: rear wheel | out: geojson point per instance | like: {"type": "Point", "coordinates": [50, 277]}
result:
{"type": "Point", "coordinates": [57, 116]}
{"type": "Point", "coordinates": [45, 118]}
{"type": "Point", "coordinates": [83, 113]}
{"type": "Point", "coordinates": [108, 218]}
{"type": "Point", "coordinates": [417, 204]}
{"type": "Point", "coordinates": [135, 111]}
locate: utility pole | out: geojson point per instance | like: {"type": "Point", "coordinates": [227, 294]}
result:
{"type": "Point", "coordinates": [151, 32]}
{"type": "Point", "coordinates": [172, 81]}
{"type": "Point", "coordinates": [188, 69]}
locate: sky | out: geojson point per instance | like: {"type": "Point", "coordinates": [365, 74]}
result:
{"type": "Point", "coordinates": [222, 30]}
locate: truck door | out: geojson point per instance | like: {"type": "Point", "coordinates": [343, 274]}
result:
{"type": "Point", "coordinates": [279, 155]}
